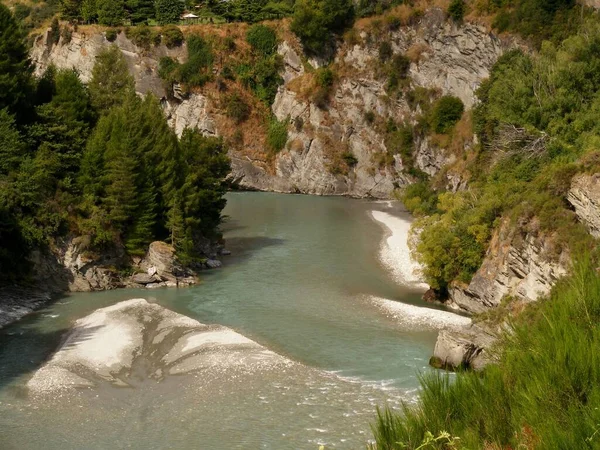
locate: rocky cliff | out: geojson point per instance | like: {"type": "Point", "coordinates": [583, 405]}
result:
{"type": "Point", "coordinates": [520, 263]}
{"type": "Point", "coordinates": [584, 196]}
{"type": "Point", "coordinates": [445, 58]}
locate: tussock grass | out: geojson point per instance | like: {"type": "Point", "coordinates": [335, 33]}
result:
{"type": "Point", "coordinates": [544, 392]}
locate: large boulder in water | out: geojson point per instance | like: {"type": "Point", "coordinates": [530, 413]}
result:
{"type": "Point", "coordinates": [145, 339]}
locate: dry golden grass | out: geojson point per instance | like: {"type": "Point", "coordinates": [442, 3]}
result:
{"type": "Point", "coordinates": [415, 52]}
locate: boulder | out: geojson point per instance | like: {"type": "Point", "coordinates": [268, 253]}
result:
{"type": "Point", "coordinates": [213, 263]}
{"type": "Point", "coordinates": [161, 260]}
{"type": "Point", "coordinates": [464, 348]}
{"type": "Point", "coordinates": [145, 278]}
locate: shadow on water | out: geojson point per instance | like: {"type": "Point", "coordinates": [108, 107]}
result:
{"type": "Point", "coordinates": [244, 248]}
{"type": "Point", "coordinates": [25, 346]}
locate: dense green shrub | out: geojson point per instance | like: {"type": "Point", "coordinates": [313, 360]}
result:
{"type": "Point", "coordinates": [445, 113]}
{"type": "Point", "coordinates": [262, 77]}
{"type": "Point", "coordinates": [167, 69]}
{"type": "Point", "coordinates": [262, 39]}
{"type": "Point", "coordinates": [456, 10]}
{"type": "Point", "coordinates": [350, 159]}
{"type": "Point", "coordinates": [111, 35]}
{"type": "Point", "coordinates": [539, 20]}
{"type": "Point", "coordinates": [316, 22]}
{"type": "Point", "coordinates": [172, 36]}
{"type": "Point", "coordinates": [141, 35]}
{"type": "Point", "coordinates": [236, 108]}
{"type": "Point", "coordinates": [277, 134]}
{"type": "Point", "coordinates": [110, 12]}
{"type": "Point", "coordinates": [168, 11]}
{"type": "Point", "coordinates": [54, 34]}
{"type": "Point", "coordinates": [544, 392]}
{"type": "Point", "coordinates": [21, 11]}
{"type": "Point", "coordinates": [385, 51]}
{"type": "Point", "coordinates": [196, 71]}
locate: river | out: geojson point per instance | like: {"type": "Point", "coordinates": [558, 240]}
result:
{"type": "Point", "coordinates": [321, 281]}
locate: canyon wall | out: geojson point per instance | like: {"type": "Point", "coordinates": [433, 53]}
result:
{"type": "Point", "coordinates": [447, 58]}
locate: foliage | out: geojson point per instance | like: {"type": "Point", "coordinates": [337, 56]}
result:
{"type": "Point", "coordinates": [110, 12]}
{"type": "Point", "coordinates": [111, 35]}
{"type": "Point", "coordinates": [316, 22]}
{"type": "Point", "coordinates": [89, 11]}
{"type": "Point", "coordinates": [543, 393]}
{"type": "Point", "coordinates": [168, 11]}
{"type": "Point", "coordinates": [457, 9]}
{"type": "Point", "coordinates": [324, 80]}
{"type": "Point", "coordinates": [350, 159]}
{"type": "Point", "coordinates": [236, 108]}
{"type": "Point", "coordinates": [54, 34]}
{"type": "Point", "coordinates": [99, 161]}
{"type": "Point", "coordinates": [141, 11]}
{"type": "Point", "coordinates": [262, 77]}
{"type": "Point", "coordinates": [196, 70]}
{"type": "Point", "coordinates": [141, 35]}
{"type": "Point", "coordinates": [111, 82]}
{"type": "Point", "coordinates": [445, 113]}
{"type": "Point", "coordinates": [397, 71]}
{"type": "Point", "coordinates": [250, 10]}
{"type": "Point", "coordinates": [172, 36]}
{"type": "Point", "coordinates": [277, 134]}
{"type": "Point", "coordinates": [16, 82]}
{"type": "Point", "coordinates": [538, 20]}
{"type": "Point", "coordinates": [536, 119]}
{"type": "Point", "coordinates": [385, 51]}
{"type": "Point", "coordinates": [262, 39]}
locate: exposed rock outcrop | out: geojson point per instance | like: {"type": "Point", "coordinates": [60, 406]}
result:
{"type": "Point", "coordinates": [584, 195]}
{"type": "Point", "coordinates": [134, 335]}
{"type": "Point", "coordinates": [466, 348]}
{"type": "Point", "coordinates": [524, 265]}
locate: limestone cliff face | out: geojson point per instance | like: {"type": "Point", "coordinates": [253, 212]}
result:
{"type": "Point", "coordinates": [584, 195]}
{"type": "Point", "coordinates": [445, 57]}
{"type": "Point", "coordinates": [521, 264]}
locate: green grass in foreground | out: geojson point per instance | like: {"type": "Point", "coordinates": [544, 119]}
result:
{"type": "Point", "coordinates": [544, 393]}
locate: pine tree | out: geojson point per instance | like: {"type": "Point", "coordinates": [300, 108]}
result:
{"type": "Point", "coordinates": [64, 123]}
{"type": "Point", "coordinates": [111, 83]}
{"type": "Point", "coordinates": [142, 232]}
{"type": "Point", "coordinates": [140, 11]}
{"type": "Point", "coordinates": [70, 10]}
{"type": "Point", "coordinates": [89, 11]}
{"type": "Point", "coordinates": [16, 82]}
{"type": "Point", "coordinates": [110, 12]}
{"type": "Point", "coordinates": [12, 147]}
{"type": "Point", "coordinates": [121, 199]}
{"type": "Point", "coordinates": [169, 11]}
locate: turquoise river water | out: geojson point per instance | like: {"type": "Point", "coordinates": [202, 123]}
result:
{"type": "Point", "coordinates": [305, 279]}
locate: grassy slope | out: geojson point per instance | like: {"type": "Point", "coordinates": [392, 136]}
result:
{"type": "Point", "coordinates": [544, 393]}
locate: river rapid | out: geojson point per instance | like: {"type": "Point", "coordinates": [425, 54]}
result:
{"type": "Point", "coordinates": [326, 283]}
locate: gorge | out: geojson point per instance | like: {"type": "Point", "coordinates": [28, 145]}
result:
{"type": "Point", "coordinates": [466, 133]}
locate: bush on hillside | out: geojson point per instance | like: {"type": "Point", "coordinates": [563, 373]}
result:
{"type": "Point", "coordinates": [445, 113]}
{"type": "Point", "coordinates": [317, 22]}
{"type": "Point", "coordinates": [236, 108]}
{"type": "Point", "coordinates": [544, 392]}
{"type": "Point", "coordinates": [262, 39]}
{"type": "Point", "coordinates": [111, 35]}
{"type": "Point", "coordinates": [172, 36]}
{"type": "Point", "coordinates": [277, 134]}
{"type": "Point", "coordinates": [457, 9]}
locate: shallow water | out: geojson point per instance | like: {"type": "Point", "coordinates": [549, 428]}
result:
{"type": "Point", "coordinates": [308, 280]}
